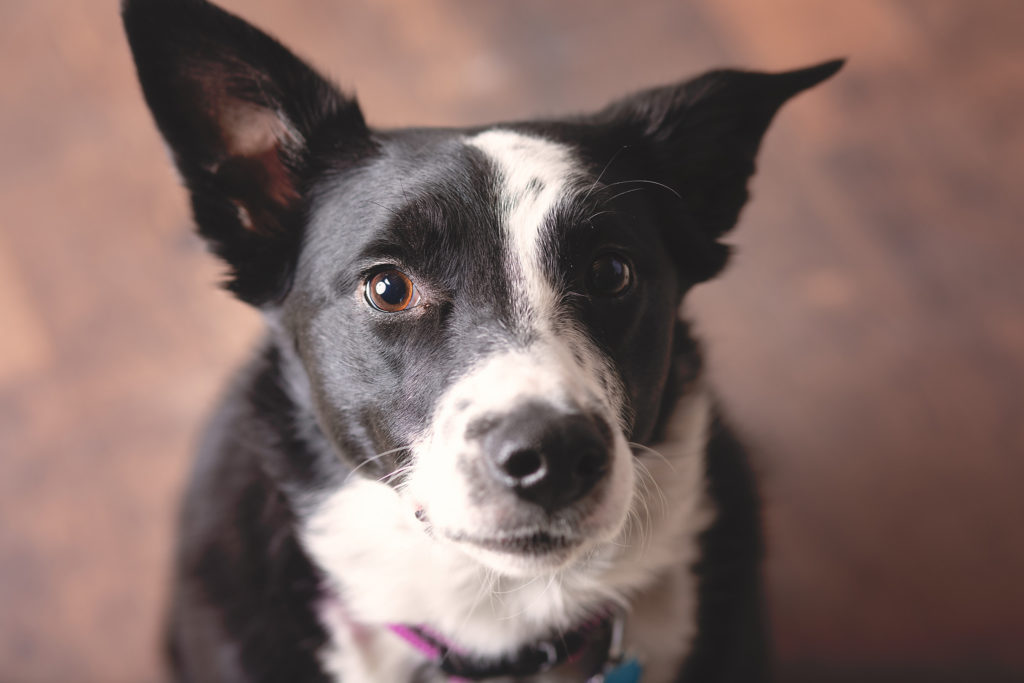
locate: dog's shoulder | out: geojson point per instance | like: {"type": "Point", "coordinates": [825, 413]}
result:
{"type": "Point", "coordinates": [732, 640]}
{"type": "Point", "coordinates": [245, 592]}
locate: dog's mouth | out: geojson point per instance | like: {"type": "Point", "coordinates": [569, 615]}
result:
{"type": "Point", "coordinates": [527, 543]}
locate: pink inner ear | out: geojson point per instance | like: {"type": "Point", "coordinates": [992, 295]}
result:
{"type": "Point", "coordinates": [275, 181]}
{"type": "Point", "coordinates": [254, 139]}
{"type": "Point", "coordinates": [249, 130]}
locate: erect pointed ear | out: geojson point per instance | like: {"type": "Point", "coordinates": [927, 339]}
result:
{"type": "Point", "coordinates": [700, 138]}
{"type": "Point", "coordinates": [240, 114]}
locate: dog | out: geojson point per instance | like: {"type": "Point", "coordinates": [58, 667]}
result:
{"type": "Point", "coordinates": [477, 442]}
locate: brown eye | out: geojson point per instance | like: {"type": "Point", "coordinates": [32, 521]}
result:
{"type": "Point", "coordinates": [610, 275]}
{"type": "Point", "coordinates": [391, 291]}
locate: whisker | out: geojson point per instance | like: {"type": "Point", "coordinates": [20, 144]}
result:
{"type": "Point", "coordinates": [625, 192]}
{"type": "Point", "coordinates": [627, 529]}
{"type": "Point", "coordinates": [646, 522]}
{"type": "Point", "coordinates": [645, 472]}
{"type": "Point", "coordinates": [400, 471]}
{"type": "Point", "coordinates": [374, 458]}
{"type": "Point", "coordinates": [519, 588]}
{"type": "Point", "coordinates": [554, 577]}
{"type": "Point", "coordinates": [600, 175]}
{"type": "Point", "coordinates": [649, 182]}
{"type": "Point", "coordinates": [493, 580]}
{"type": "Point", "coordinates": [601, 213]}
{"type": "Point", "coordinates": [651, 451]}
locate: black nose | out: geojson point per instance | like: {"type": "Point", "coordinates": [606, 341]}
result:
{"type": "Point", "coordinates": [549, 458]}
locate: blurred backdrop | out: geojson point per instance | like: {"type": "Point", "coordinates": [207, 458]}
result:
{"type": "Point", "coordinates": [868, 338]}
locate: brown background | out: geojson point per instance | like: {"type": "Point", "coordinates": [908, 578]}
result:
{"type": "Point", "coordinates": [869, 337]}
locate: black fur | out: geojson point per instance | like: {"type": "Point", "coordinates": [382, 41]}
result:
{"type": "Point", "coordinates": [244, 602]}
{"type": "Point", "coordinates": [303, 202]}
{"type": "Point", "coordinates": [732, 643]}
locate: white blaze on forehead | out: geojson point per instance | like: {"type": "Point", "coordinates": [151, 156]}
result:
{"type": "Point", "coordinates": [535, 175]}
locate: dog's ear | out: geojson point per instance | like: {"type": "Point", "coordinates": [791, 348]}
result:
{"type": "Point", "coordinates": [700, 138]}
{"type": "Point", "coordinates": [240, 114]}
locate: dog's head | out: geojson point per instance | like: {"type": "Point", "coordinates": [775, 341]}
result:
{"type": "Point", "coordinates": [484, 318]}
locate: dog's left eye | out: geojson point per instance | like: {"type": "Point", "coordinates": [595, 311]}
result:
{"type": "Point", "coordinates": [610, 275]}
{"type": "Point", "coordinates": [391, 291]}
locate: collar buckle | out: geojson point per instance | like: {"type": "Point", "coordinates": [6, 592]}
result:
{"type": "Point", "coordinates": [551, 652]}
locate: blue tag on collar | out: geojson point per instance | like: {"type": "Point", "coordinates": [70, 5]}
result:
{"type": "Point", "coordinates": [628, 671]}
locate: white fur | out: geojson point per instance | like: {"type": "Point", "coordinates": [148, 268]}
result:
{"type": "Point", "coordinates": [520, 160]}
{"type": "Point", "coordinates": [386, 569]}
{"type": "Point", "coordinates": [547, 373]}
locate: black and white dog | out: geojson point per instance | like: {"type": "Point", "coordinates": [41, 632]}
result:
{"type": "Point", "coordinates": [477, 443]}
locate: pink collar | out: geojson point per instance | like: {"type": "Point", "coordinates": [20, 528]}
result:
{"type": "Point", "coordinates": [528, 660]}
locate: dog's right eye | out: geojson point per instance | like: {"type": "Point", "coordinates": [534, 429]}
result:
{"type": "Point", "coordinates": [391, 291]}
{"type": "Point", "coordinates": [610, 275]}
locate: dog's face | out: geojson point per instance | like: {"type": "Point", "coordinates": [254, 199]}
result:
{"type": "Point", "coordinates": [484, 319]}
{"type": "Point", "coordinates": [479, 305]}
